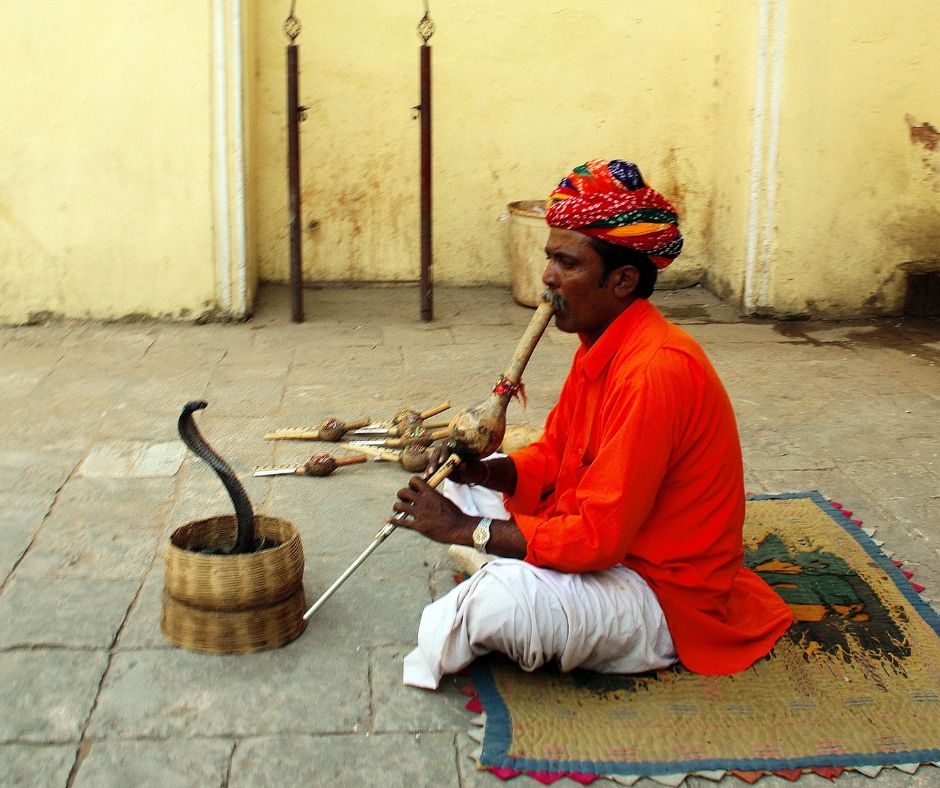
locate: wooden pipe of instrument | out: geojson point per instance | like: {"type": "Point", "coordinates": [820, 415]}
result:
{"type": "Point", "coordinates": [478, 431]}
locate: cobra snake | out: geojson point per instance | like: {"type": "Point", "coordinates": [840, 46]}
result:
{"type": "Point", "coordinates": [244, 515]}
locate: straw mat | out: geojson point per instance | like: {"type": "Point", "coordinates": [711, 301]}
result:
{"type": "Point", "coordinates": [854, 683]}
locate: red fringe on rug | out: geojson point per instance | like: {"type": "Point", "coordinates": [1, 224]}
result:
{"type": "Point", "coordinates": [899, 564]}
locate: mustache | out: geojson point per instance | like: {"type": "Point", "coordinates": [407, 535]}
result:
{"type": "Point", "coordinates": [553, 297]}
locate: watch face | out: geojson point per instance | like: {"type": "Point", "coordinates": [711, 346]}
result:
{"type": "Point", "coordinates": [481, 535]}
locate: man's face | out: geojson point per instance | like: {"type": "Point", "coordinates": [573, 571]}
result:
{"type": "Point", "coordinates": [572, 277]}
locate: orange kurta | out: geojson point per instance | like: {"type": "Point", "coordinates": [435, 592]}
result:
{"type": "Point", "coordinates": [640, 464]}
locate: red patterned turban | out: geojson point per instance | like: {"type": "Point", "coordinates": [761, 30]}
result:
{"type": "Point", "coordinates": [609, 200]}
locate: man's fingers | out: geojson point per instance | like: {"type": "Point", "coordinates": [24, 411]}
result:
{"type": "Point", "coordinates": [418, 485]}
{"type": "Point", "coordinates": [406, 493]}
{"type": "Point", "coordinates": [405, 507]}
{"type": "Point", "coordinates": [438, 456]}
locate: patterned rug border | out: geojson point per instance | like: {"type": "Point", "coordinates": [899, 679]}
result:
{"type": "Point", "coordinates": [499, 724]}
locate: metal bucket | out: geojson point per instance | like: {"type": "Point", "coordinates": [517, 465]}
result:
{"type": "Point", "coordinates": [528, 232]}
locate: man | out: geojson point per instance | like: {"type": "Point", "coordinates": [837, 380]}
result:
{"type": "Point", "coordinates": [620, 536]}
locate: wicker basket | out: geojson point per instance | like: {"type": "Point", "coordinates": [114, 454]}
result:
{"type": "Point", "coordinates": [230, 604]}
{"type": "Point", "coordinates": [238, 632]}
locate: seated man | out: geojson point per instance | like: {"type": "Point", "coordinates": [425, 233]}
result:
{"type": "Point", "coordinates": [621, 532]}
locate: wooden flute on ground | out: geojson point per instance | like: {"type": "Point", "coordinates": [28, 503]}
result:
{"type": "Point", "coordinates": [474, 433]}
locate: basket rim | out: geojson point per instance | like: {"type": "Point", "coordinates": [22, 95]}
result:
{"type": "Point", "coordinates": [293, 536]}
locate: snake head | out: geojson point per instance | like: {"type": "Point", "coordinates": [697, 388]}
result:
{"type": "Point", "coordinates": [185, 424]}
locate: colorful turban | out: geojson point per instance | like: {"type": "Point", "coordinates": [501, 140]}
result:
{"type": "Point", "coordinates": [610, 201]}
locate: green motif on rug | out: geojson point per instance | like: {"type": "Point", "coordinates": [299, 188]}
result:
{"type": "Point", "coordinates": [834, 609]}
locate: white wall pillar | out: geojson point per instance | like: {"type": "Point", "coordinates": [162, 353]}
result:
{"type": "Point", "coordinates": [768, 89]}
{"type": "Point", "coordinates": [228, 152]}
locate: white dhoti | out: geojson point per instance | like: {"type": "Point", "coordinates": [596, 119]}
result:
{"type": "Point", "coordinates": [607, 621]}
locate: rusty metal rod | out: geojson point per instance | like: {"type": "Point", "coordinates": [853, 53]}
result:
{"type": "Point", "coordinates": [293, 175]}
{"type": "Point", "coordinates": [427, 286]}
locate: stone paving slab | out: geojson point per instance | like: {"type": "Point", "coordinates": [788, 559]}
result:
{"type": "Point", "coordinates": [396, 707]}
{"type": "Point", "coordinates": [141, 629]}
{"type": "Point", "coordinates": [386, 759]}
{"type": "Point", "coordinates": [28, 472]}
{"type": "Point", "coordinates": [19, 383]}
{"type": "Point", "coordinates": [168, 763]}
{"type": "Point", "coordinates": [380, 603]}
{"type": "Point", "coordinates": [46, 694]}
{"type": "Point", "coordinates": [36, 766]}
{"type": "Point", "coordinates": [105, 529]}
{"type": "Point", "coordinates": [116, 459]}
{"type": "Point", "coordinates": [173, 693]}
{"type": "Point", "coordinates": [20, 518]}
{"type": "Point", "coordinates": [73, 613]}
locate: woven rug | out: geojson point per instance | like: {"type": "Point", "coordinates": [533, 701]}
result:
{"type": "Point", "coordinates": [854, 683]}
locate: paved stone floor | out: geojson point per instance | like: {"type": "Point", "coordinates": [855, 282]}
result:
{"type": "Point", "coordinates": [93, 480]}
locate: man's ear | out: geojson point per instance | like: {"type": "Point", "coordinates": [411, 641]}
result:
{"type": "Point", "coordinates": [626, 278]}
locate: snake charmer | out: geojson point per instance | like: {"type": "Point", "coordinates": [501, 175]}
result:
{"type": "Point", "coordinates": [614, 541]}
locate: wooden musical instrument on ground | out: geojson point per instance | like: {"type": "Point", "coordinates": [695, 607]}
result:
{"type": "Point", "coordinates": [416, 436]}
{"type": "Point", "coordinates": [318, 465]}
{"type": "Point", "coordinates": [403, 420]}
{"type": "Point", "coordinates": [329, 430]}
{"type": "Point", "coordinates": [412, 458]}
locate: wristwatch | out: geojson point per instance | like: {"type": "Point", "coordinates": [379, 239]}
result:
{"type": "Point", "coordinates": [481, 534]}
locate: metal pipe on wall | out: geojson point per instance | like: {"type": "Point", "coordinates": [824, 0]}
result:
{"type": "Point", "coordinates": [294, 116]}
{"type": "Point", "coordinates": [425, 31]}
{"type": "Point", "coordinates": [427, 287]}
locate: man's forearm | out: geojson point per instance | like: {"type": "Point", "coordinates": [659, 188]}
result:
{"type": "Point", "coordinates": [506, 540]}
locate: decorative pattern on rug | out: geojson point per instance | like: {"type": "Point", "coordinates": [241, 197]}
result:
{"type": "Point", "coordinates": [854, 684]}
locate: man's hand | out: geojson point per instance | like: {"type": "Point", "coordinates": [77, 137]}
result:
{"type": "Point", "coordinates": [498, 473]}
{"type": "Point", "coordinates": [430, 513]}
{"type": "Point", "coordinates": [469, 471]}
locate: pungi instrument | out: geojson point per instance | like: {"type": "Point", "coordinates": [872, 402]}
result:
{"type": "Point", "coordinates": [329, 430]}
{"type": "Point", "coordinates": [474, 433]}
{"type": "Point", "coordinates": [412, 458]}
{"type": "Point", "coordinates": [416, 436]}
{"type": "Point", "coordinates": [403, 420]}
{"type": "Point", "coordinates": [318, 465]}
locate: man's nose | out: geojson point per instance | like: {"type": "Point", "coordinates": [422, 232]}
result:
{"type": "Point", "coordinates": [548, 275]}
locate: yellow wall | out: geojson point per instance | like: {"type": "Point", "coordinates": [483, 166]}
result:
{"type": "Point", "coordinates": [143, 165]}
{"type": "Point", "coordinates": [726, 201]}
{"type": "Point", "coordinates": [522, 92]}
{"type": "Point", "coordinates": [857, 196]}
{"type": "Point", "coordinates": [845, 193]}
{"type": "Point", "coordinates": [105, 198]}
